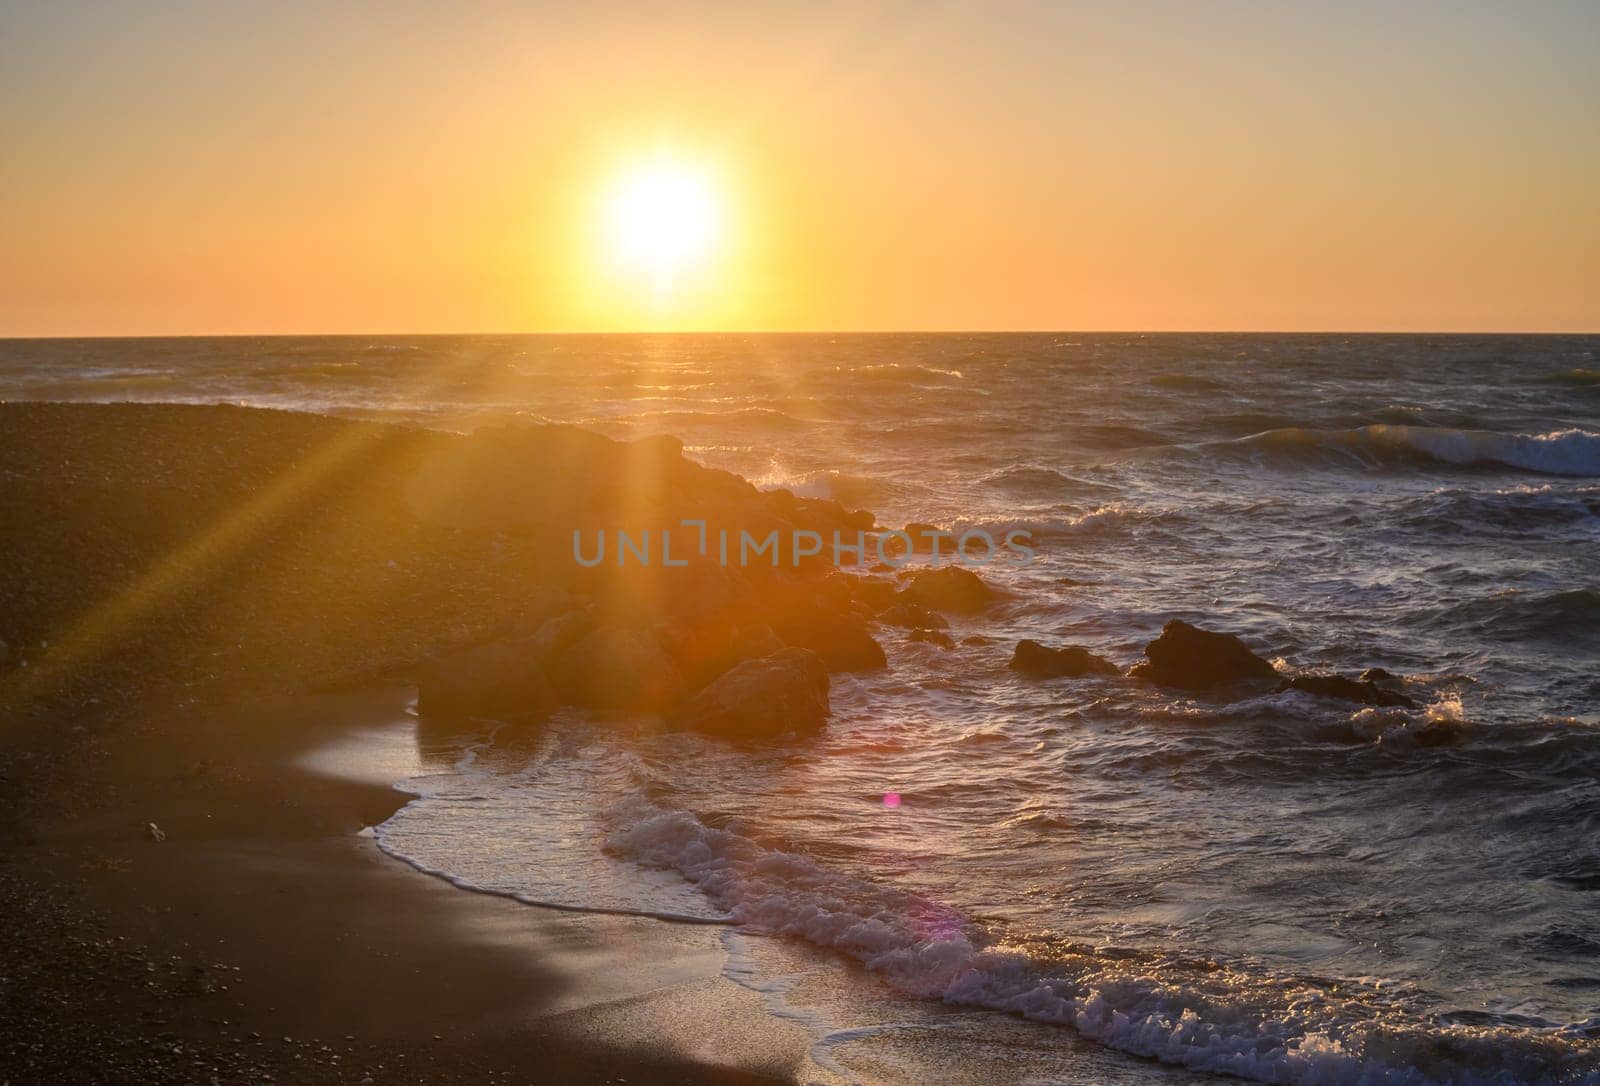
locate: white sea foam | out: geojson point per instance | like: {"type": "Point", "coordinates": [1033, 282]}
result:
{"type": "Point", "coordinates": [1255, 1025]}
{"type": "Point", "coordinates": [1571, 451]}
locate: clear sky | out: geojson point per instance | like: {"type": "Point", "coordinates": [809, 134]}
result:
{"type": "Point", "coordinates": [170, 167]}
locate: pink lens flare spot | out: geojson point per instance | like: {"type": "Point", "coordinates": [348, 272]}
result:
{"type": "Point", "coordinates": [891, 799]}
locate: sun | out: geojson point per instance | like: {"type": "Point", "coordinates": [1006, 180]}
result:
{"type": "Point", "coordinates": [663, 217]}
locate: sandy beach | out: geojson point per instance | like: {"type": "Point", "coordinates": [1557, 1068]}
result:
{"type": "Point", "coordinates": [252, 930]}
{"type": "Point", "coordinates": [263, 936]}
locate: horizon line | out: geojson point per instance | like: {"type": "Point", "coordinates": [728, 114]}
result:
{"type": "Point", "coordinates": [819, 332]}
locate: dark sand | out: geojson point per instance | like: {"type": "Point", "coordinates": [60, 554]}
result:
{"type": "Point", "coordinates": [264, 937]}
{"type": "Point", "coordinates": [180, 589]}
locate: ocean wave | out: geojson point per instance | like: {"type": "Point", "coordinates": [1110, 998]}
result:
{"type": "Point", "coordinates": [898, 373]}
{"type": "Point", "coordinates": [1186, 382]}
{"type": "Point", "coordinates": [1519, 614]}
{"type": "Point", "coordinates": [852, 490]}
{"type": "Point", "coordinates": [1583, 378]}
{"type": "Point", "coordinates": [1199, 1014]}
{"type": "Point", "coordinates": [1436, 724]}
{"type": "Point", "coordinates": [756, 418]}
{"type": "Point", "coordinates": [1035, 480]}
{"type": "Point", "coordinates": [1112, 518]}
{"type": "Point", "coordinates": [1560, 452]}
{"type": "Point", "coordinates": [1516, 509]}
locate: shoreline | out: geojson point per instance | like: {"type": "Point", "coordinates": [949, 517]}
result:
{"type": "Point", "coordinates": [204, 603]}
{"type": "Point", "coordinates": [262, 915]}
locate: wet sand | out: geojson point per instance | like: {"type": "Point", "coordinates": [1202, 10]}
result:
{"type": "Point", "coordinates": [265, 936]}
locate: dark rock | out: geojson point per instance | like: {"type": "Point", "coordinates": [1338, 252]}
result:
{"type": "Point", "coordinates": [502, 678]}
{"type": "Point", "coordinates": [871, 592]}
{"type": "Point", "coordinates": [1365, 692]}
{"type": "Point", "coordinates": [914, 617]}
{"type": "Point", "coordinates": [921, 536]}
{"type": "Point", "coordinates": [949, 588]}
{"type": "Point", "coordinates": [619, 668]}
{"type": "Point", "coordinates": [976, 639]}
{"type": "Point", "coordinates": [839, 638]}
{"type": "Point", "coordinates": [557, 634]}
{"type": "Point", "coordinates": [774, 696]}
{"type": "Point", "coordinates": [1381, 677]}
{"type": "Point", "coordinates": [1041, 661]}
{"type": "Point", "coordinates": [706, 649]}
{"type": "Point", "coordinates": [1190, 658]}
{"type": "Point", "coordinates": [932, 637]}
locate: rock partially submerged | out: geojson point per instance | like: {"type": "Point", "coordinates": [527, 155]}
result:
{"type": "Point", "coordinates": [913, 617]}
{"type": "Point", "coordinates": [932, 637]}
{"type": "Point", "coordinates": [782, 694]}
{"type": "Point", "coordinates": [1382, 677]}
{"type": "Point", "coordinates": [618, 668]}
{"type": "Point", "coordinates": [502, 678]}
{"type": "Point", "coordinates": [948, 588]}
{"type": "Point", "coordinates": [871, 592]}
{"type": "Point", "coordinates": [1364, 692]}
{"type": "Point", "coordinates": [1190, 658]}
{"type": "Point", "coordinates": [1044, 662]}
{"type": "Point", "coordinates": [839, 638]}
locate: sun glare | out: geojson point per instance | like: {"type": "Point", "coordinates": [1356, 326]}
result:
{"type": "Point", "coordinates": [663, 217]}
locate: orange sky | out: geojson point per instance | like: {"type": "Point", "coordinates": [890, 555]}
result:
{"type": "Point", "coordinates": [231, 168]}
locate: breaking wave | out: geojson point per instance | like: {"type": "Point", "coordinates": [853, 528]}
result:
{"type": "Point", "coordinates": [1200, 1014]}
{"type": "Point", "coordinates": [1560, 452]}
{"type": "Point", "coordinates": [1515, 615]}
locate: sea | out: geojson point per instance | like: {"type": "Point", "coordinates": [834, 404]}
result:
{"type": "Point", "coordinates": [972, 876]}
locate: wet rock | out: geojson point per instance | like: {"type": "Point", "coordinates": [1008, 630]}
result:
{"type": "Point", "coordinates": [705, 651]}
{"type": "Point", "coordinates": [932, 637]}
{"type": "Point", "coordinates": [870, 592]}
{"type": "Point", "coordinates": [502, 678]}
{"type": "Point", "coordinates": [1382, 677]}
{"type": "Point", "coordinates": [839, 638]}
{"type": "Point", "coordinates": [619, 668]}
{"type": "Point", "coordinates": [785, 693]}
{"type": "Point", "coordinates": [1190, 658]}
{"type": "Point", "coordinates": [913, 617]}
{"type": "Point", "coordinates": [1043, 662]}
{"type": "Point", "coordinates": [1365, 692]}
{"type": "Point", "coordinates": [949, 588]}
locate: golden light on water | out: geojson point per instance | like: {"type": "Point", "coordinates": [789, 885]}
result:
{"type": "Point", "coordinates": [664, 218]}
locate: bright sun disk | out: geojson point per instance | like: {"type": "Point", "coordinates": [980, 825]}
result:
{"type": "Point", "coordinates": [663, 218]}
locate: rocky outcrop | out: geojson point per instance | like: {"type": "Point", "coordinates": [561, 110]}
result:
{"type": "Point", "coordinates": [843, 644]}
{"type": "Point", "coordinates": [1190, 658]}
{"type": "Point", "coordinates": [913, 617]}
{"type": "Point", "coordinates": [500, 679]}
{"type": "Point", "coordinates": [778, 695]}
{"type": "Point", "coordinates": [1364, 692]}
{"type": "Point", "coordinates": [932, 637]}
{"type": "Point", "coordinates": [1042, 662]}
{"type": "Point", "coordinates": [949, 588]}
{"type": "Point", "coordinates": [620, 669]}
{"type": "Point", "coordinates": [838, 637]}
{"type": "Point", "coordinates": [869, 592]}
